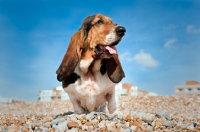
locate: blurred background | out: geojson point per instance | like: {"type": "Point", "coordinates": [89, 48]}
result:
{"type": "Point", "coordinates": [160, 49]}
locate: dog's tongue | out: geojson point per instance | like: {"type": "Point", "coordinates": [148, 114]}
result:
{"type": "Point", "coordinates": [112, 50]}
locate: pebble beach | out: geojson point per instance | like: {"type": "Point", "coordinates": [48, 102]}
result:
{"type": "Point", "coordinates": [138, 114]}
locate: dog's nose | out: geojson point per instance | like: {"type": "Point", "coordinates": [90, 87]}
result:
{"type": "Point", "coordinates": [120, 31]}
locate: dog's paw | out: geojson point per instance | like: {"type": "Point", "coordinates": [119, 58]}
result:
{"type": "Point", "coordinates": [116, 113]}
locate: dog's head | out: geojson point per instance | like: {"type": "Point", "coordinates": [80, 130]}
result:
{"type": "Point", "coordinates": [96, 39]}
{"type": "Point", "coordinates": [101, 35]}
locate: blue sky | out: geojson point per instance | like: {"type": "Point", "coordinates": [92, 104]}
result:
{"type": "Point", "coordinates": [160, 49]}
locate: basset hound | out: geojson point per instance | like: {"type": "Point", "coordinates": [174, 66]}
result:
{"type": "Point", "coordinates": [91, 68]}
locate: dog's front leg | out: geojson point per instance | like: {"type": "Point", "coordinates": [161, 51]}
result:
{"type": "Point", "coordinates": [77, 107]}
{"type": "Point", "coordinates": [113, 101]}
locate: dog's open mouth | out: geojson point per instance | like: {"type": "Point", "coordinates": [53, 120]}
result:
{"type": "Point", "coordinates": [105, 49]}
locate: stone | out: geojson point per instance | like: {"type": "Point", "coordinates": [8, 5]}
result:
{"type": "Point", "coordinates": [83, 121]}
{"type": "Point", "coordinates": [90, 116]}
{"type": "Point", "coordinates": [47, 119]}
{"type": "Point", "coordinates": [120, 116]}
{"type": "Point", "coordinates": [62, 126]}
{"type": "Point", "coordinates": [73, 118]}
{"type": "Point", "coordinates": [73, 130]}
{"type": "Point", "coordinates": [160, 113]}
{"type": "Point", "coordinates": [197, 127]}
{"type": "Point", "coordinates": [127, 130]}
{"type": "Point", "coordinates": [133, 128]}
{"type": "Point", "coordinates": [127, 124]}
{"type": "Point", "coordinates": [149, 129]}
{"type": "Point", "coordinates": [102, 130]}
{"type": "Point", "coordinates": [84, 128]}
{"type": "Point", "coordinates": [191, 126]}
{"type": "Point", "coordinates": [119, 125]}
{"type": "Point", "coordinates": [168, 116]}
{"type": "Point", "coordinates": [36, 123]}
{"type": "Point", "coordinates": [138, 114]}
{"type": "Point", "coordinates": [167, 123]}
{"type": "Point", "coordinates": [153, 124]}
{"type": "Point", "coordinates": [79, 122]}
{"type": "Point", "coordinates": [159, 123]}
{"type": "Point", "coordinates": [72, 124]}
{"type": "Point", "coordinates": [55, 121]}
{"type": "Point", "coordinates": [127, 118]}
{"type": "Point", "coordinates": [13, 129]}
{"type": "Point", "coordinates": [110, 126]}
{"type": "Point", "coordinates": [42, 129]}
{"type": "Point", "coordinates": [90, 128]}
{"type": "Point", "coordinates": [102, 124]}
{"type": "Point", "coordinates": [38, 130]}
{"type": "Point", "coordinates": [103, 116]}
{"type": "Point", "coordinates": [81, 117]}
{"type": "Point", "coordinates": [177, 128]}
{"type": "Point", "coordinates": [89, 123]}
{"type": "Point", "coordinates": [148, 117]}
{"type": "Point", "coordinates": [1, 128]}
{"type": "Point", "coordinates": [25, 127]}
{"type": "Point", "coordinates": [183, 126]}
{"type": "Point", "coordinates": [95, 123]}
{"type": "Point", "coordinates": [177, 118]}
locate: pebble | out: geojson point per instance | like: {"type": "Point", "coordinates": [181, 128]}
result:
{"type": "Point", "coordinates": [110, 126]}
{"type": "Point", "coordinates": [160, 113]}
{"type": "Point", "coordinates": [84, 128]}
{"type": "Point", "coordinates": [167, 123]}
{"type": "Point", "coordinates": [72, 124]}
{"type": "Point", "coordinates": [73, 130]}
{"type": "Point", "coordinates": [168, 116]}
{"type": "Point", "coordinates": [90, 116]}
{"type": "Point", "coordinates": [1, 128]}
{"type": "Point", "coordinates": [133, 128]}
{"type": "Point", "coordinates": [62, 126]}
{"type": "Point", "coordinates": [177, 128]}
{"type": "Point", "coordinates": [148, 117]}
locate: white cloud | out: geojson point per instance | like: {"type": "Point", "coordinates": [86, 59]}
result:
{"type": "Point", "coordinates": [125, 56]}
{"type": "Point", "coordinates": [191, 29]}
{"type": "Point", "coordinates": [170, 43]}
{"type": "Point", "coordinates": [141, 58]}
{"type": "Point", "coordinates": [170, 27]}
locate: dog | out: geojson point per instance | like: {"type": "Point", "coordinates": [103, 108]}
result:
{"type": "Point", "coordinates": [91, 67]}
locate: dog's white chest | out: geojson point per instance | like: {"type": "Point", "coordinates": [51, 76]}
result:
{"type": "Point", "coordinates": [88, 94]}
{"type": "Point", "coordinates": [90, 90]}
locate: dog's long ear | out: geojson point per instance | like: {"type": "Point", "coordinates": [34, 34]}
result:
{"type": "Point", "coordinates": [76, 48]}
{"type": "Point", "coordinates": [114, 69]}
{"type": "Point", "coordinates": [71, 57]}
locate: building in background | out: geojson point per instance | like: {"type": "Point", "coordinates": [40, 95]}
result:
{"type": "Point", "coordinates": [5, 101]}
{"type": "Point", "coordinates": [56, 93]}
{"type": "Point", "coordinates": [127, 89]}
{"type": "Point", "coordinates": [191, 88]}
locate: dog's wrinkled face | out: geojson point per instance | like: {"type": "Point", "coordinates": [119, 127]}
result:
{"type": "Point", "coordinates": [103, 36]}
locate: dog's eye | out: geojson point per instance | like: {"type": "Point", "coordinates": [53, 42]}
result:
{"type": "Point", "coordinates": [99, 22]}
